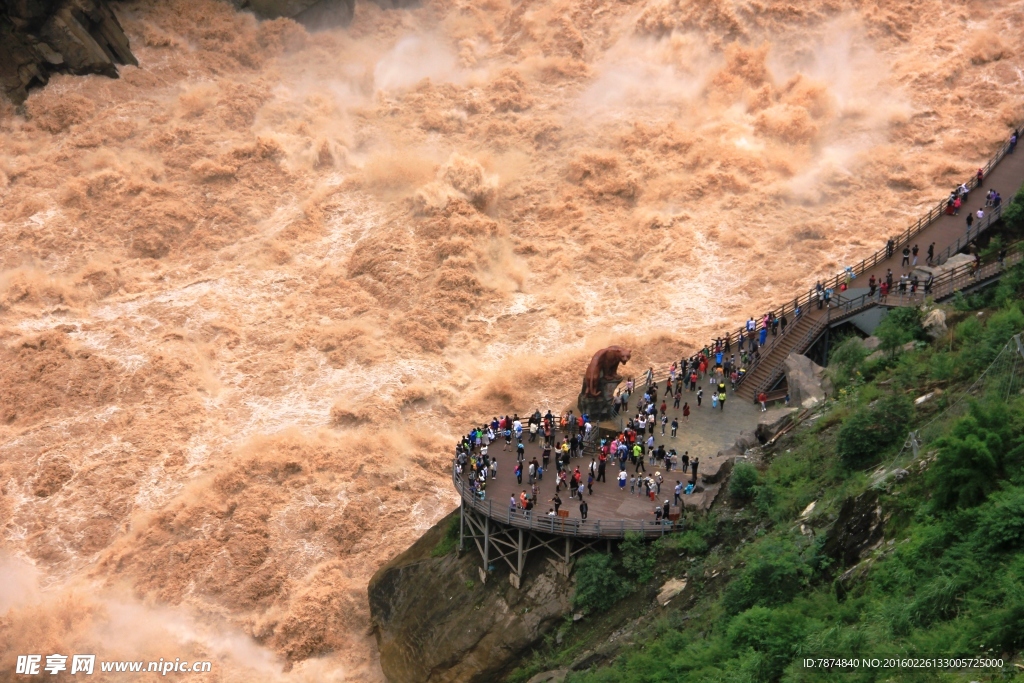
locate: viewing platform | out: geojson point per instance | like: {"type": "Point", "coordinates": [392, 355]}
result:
{"type": "Point", "coordinates": [505, 535]}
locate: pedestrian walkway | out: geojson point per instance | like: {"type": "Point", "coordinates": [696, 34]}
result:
{"type": "Point", "coordinates": [950, 233]}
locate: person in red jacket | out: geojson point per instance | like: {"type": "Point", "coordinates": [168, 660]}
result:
{"type": "Point", "coordinates": [763, 399]}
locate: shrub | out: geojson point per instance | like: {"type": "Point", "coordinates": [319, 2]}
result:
{"type": "Point", "coordinates": [775, 634]}
{"type": "Point", "coordinates": [970, 460]}
{"type": "Point", "coordinates": [901, 325]}
{"type": "Point", "coordinates": [873, 429]}
{"type": "Point", "coordinates": [638, 558]}
{"type": "Point", "coordinates": [744, 481]}
{"type": "Point", "coordinates": [448, 541]}
{"type": "Point", "coordinates": [690, 542]}
{"type": "Point", "coordinates": [1001, 523]}
{"type": "Point", "coordinates": [844, 359]}
{"type": "Point", "coordinates": [774, 576]}
{"type": "Point", "coordinates": [598, 585]}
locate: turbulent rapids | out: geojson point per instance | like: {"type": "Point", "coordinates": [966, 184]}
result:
{"type": "Point", "coordinates": [250, 290]}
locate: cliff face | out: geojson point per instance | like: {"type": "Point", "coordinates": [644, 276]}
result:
{"type": "Point", "coordinates": [42, 37]}
{"type": "Point", "coordinates": [436, 623]}
{"type": "Point", "coordinates": [313, 13]}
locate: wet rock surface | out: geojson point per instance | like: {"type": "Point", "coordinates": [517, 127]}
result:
{"type": "Point", "coordinates": [434, 620]}
{"type": "Point", "coordinates": [859, 528]}
{"type": "Point", "coordinates": [41, 37]}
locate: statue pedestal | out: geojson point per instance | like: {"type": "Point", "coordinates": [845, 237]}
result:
{"type": "Point", "coordinates": [598, 407]}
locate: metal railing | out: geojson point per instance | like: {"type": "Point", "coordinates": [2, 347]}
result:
{"type": "Point", "coordinates": [562, 526]}
{"type": "Point", "coordinates": [805, 301]}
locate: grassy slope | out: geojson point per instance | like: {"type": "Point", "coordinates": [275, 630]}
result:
{"type": "Point", "coordinates": [948, 579]}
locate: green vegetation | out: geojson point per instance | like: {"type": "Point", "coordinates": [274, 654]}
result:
{"type": "Point", "coordinates": [449, 541]}
{"type": "Point", "coordinates": [638, 557]}
{"type": "Point", "coordinates": [743, 482]}
{"type": "Point", "coordinates": [765, 587]}
{"type": "Point", "coordinates": [598, 584]}
{"type": "Point", "coordinates": [602, 580]}
{"type": "Point", "coordinates": [874, 429]}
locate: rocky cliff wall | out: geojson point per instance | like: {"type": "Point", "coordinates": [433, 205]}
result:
{"type": "Point", "coordinates": [436, 623]}
{"type": "Point", "coordinates": [42, 37]}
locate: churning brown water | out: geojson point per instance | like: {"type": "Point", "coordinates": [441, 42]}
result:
{"type": "Point", "coordinates": [250, 291]}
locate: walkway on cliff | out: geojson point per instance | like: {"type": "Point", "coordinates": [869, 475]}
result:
{"type": "Point", "coordinates": [704, 434]}
{"type": "Point", "coordinates": [1004, 173]}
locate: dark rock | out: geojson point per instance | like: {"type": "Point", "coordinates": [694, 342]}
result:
{"type": "Point", "coordinates": [435, 622]}
{"type": "Point", "coordinates": [42, 37]}
{"type": "Point", "coordinates": [859, 528]}
{"type": "Point", "coordinates": [598, 407]}
{"type": "Point", "coordinates": [312, 13]}
{"type": "Point", "coordinates": [773, 422]}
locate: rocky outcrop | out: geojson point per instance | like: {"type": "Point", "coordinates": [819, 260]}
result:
{"type": "Point", "coordinates": [859, 528]}
{"type": "Point", "coordinates": [312, 13]}
{"type": "Point", "coordinates": [808, 385]}
{"type": "Point", "coordinates": [435, 622]}
{"type": "Point", "coordinates": [41, 37]}
{"type": "Point", "coordinates": [773, 422]}
{"type": "Point", "coordinates": [934, 323]}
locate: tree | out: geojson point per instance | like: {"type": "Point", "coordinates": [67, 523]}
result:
{"type": "Point", "coordinates": [873, 429]}
{"type": "Point", "coordinates": [743, 481]}
{"type": "Point", "coordinates": [970, 460]}
{"type": "Point", "coordinates": [638, 558]}
{"type": "Point", "coordinates": [598, 585]}
{"type": "Point", "coordinates": [900, 326]}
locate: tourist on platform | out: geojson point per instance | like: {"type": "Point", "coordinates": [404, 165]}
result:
{"type": "Point", "coordinates": [584, 509]}
{"type": "Point", "coordinates": [622, 480]}
{"type": "Point", "coordinates": [678, 493]}
{"type": "Point", "coordinates": [914, 252]}
{"type": "Point", "coordinates": [762, 398]}
{"type": "Point", "coordinates": [931, 252]}
{"type": "Point", "coordinates": [906, 257]}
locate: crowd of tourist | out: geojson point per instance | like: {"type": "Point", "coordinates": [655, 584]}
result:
{"type": "Point", "coordinates": [716, 367]}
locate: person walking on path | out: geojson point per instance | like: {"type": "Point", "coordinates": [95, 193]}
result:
{"type": "Point", "coordinates": [762, 398]}
{"type": "Point", "coordinates": [931, 252]}
{"type": "Point", "coordinates": [906, 257]}
{"type": "Point", "coordinates": [622, 480]}
{"type": "Point", "coordinates": [721, 399]}
{"type": "Point", "coordinates": [914, 254]}
{"type": "Point", "coordinates": [686, 411]}
{"type": "Point", "coordinates": [678, 493]}
{"type": "Point", "coordinates": [557, 501]}
{"type": "Point", "coordinates": [584, 509]}
{"type": "Point", "coordinates": [700, 396]}
{"type": "Point", "coordinates": [675, 426]}
{"type": "Point", "coordinates": [970, 220]}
